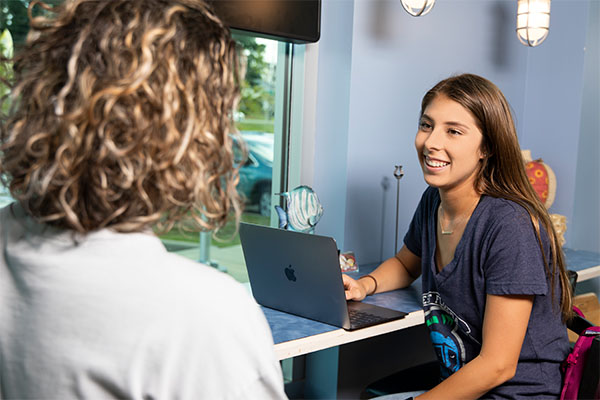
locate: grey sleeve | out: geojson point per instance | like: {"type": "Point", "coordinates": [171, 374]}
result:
{"type": "Point", "coordinates": [514, 262]}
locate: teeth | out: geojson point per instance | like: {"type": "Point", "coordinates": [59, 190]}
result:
{"type": "Point", "coordinates": [432, 163]}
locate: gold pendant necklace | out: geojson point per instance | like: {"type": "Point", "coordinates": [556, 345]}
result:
{"type": "Point", "coordinates": [456, 222]}
{"type": "Point", "coordinates": [444, 232]}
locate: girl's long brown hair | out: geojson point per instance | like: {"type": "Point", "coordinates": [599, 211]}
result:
{"type": "Point", "coordinates": [502, 171]}
{"type": "Point", "coordinates": [122, 116]}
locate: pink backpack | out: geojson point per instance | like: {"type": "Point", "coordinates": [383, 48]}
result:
{"type": "Point", "coordinates": [582, 365]}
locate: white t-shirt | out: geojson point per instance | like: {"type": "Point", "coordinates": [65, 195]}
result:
{"type": "Point", "coordinates": [113, 315]}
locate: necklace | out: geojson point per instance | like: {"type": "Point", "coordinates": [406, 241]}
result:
{"type": "Point", "coordinates": [456, 221]}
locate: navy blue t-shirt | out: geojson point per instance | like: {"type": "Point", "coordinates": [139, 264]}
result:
{"type": "Point", "coordinates": [498, 254]}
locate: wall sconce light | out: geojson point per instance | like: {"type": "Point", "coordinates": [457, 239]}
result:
{"type": "Point", "coordinates": [533, 21]}
{"type": "Point", "coordinates": [417, 8]}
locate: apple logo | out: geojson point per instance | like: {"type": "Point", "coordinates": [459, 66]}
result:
{"type": "Point", "coordinates": [290, 274]}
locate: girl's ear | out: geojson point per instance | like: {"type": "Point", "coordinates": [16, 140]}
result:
{"type": "Point", "coordinates": [483, 152]}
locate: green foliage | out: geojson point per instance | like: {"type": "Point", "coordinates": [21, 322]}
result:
{"type": "Point", "coordinates": [258, 91]}
{"type": "Point", "coordinates": [6, 71]}
{"type": "Point", "coordinates": [13, 16]}
{"type": "Point", "coordinates": [256, 125]}
{"type": "Point", "coordinates": [14, 24]}
{"type": "Point", "coordinates": [254, 53]}
{"type": "Point", "coordinates": [6, 44]}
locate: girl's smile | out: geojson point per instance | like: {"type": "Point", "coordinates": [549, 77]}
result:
{"type": "Point", "coordinates": [435, 164]}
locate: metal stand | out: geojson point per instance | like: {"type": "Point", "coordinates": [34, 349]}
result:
{"type": "Point", "coordinates": [398, 174]}
{"type": "Point", "coordinates": [205, 252]}
{"type": "Point", "coordinates": [385, 184]}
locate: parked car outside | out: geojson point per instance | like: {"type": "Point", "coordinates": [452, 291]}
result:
{"type": "Point", "coordinates": [256, 174]}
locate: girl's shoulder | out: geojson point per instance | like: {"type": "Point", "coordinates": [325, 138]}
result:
{"type": "Point", "coordinates": [500, 207]}
{"type": "Point", "coordinates": [501, 213]}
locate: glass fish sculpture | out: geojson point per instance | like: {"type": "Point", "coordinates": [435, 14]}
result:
{"type": "Point", "coordinates": [303, 210]}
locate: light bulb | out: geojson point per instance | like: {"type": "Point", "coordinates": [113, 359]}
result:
{"type": "Point", "coordinates": [533, 21]}
{"type": "Point", "coordinates": [417, 8]}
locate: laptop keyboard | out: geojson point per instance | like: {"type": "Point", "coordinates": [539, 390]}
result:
{"type": "Point", "coordinates": [360, 318]}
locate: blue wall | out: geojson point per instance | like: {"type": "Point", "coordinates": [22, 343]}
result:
{"type": "Point", "coordinates": [586, 215]}
{"type": "Point", "coordinates": [553, 98]}
{"type": "Point", "coordinates": [331, 121]}
{"type": "Point", "coordinates": [586, 218]}
{"type": "Point", "coordinates": [392, 59]}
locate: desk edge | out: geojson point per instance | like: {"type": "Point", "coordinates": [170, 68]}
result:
{"type": "Point", "coordinates": [588, 273]}
{"type": "Point", "coordinates": [298, 347]}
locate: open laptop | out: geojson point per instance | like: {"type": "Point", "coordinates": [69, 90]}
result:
{"type": "Point", "coordinates": [299, 273]}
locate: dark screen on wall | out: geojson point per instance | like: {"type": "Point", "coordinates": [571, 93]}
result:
{"type": "Point", "coordinates": [297, 21]}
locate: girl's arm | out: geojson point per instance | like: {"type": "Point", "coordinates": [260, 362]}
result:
{"type": "Point", "coordinates": [394, 273]}
{"type": "Point", "coordinates": [504, 327]}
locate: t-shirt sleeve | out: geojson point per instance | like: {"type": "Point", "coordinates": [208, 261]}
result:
{"type": "Point", "coordinates": [514, 263]}
{"type": "Point", "coordinates": [413, 236]}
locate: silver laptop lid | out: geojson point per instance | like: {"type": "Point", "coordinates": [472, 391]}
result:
{"type": "Point", "coordinates": [295, 272]}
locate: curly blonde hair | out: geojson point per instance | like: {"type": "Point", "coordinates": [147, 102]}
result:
{"type": "Point", "coordinates": [122, 117]}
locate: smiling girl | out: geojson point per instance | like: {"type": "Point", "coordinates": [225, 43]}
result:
{"type": "Point", "coordinates": [495, 289]}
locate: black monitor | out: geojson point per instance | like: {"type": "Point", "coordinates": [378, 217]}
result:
{"type": "Point", "coordinates": [296, 21]}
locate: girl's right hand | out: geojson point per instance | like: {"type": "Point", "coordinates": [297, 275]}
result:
{"type": "Point", "coordinates": [354, 289]}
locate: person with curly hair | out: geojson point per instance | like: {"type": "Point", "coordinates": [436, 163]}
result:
{"type": "Point", "coordinates": [120, 121]}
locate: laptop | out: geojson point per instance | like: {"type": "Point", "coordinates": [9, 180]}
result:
{"type": "Point", "coordinates": [299, 273]}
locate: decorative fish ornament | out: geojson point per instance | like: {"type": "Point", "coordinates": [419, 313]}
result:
{"type": "Point", "coordinates": [303, 210]}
